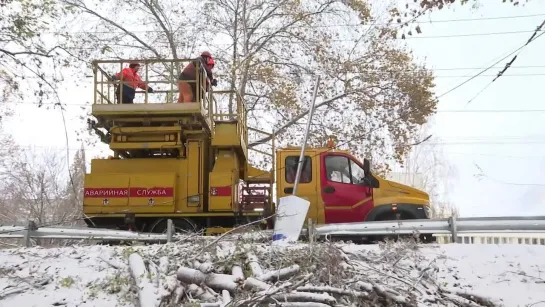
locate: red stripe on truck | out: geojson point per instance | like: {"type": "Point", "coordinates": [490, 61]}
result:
{"type": "Point", "coordinates": [220, 191]}
{"type": "Point", "coordinates": [125, 192]}
{"type": "Point", "coordinates": [151, 192]}
{"type": "Point", "coordinates": [105, 192]}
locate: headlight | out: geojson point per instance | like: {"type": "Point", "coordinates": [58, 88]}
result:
{"type": "Point", "coordinates": [427, 211]}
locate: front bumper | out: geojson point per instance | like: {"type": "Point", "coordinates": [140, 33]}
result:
{"type": "Point", "coordinates": [407, 211]}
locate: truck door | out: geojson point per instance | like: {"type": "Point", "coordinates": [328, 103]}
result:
{"type": "Point", "coordinates": [287, 169]}
{"type": "Point", "coordinates": [346, 199]}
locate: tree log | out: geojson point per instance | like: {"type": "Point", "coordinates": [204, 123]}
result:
{"type": "Point", "coordinates": [147, 293]}
{"type": "Point", "coordinates": [236, 270]}
{"type": "Point", "coordinates": [323, 298]}
{"type": "Point", "coordinates": [213, 280]}
{"type": "Point", "coordinates": [253, 262]}
{"type": "Point", "coordinates": [280, 274]}
{"type": "Point", "coordinates": [332, 290]}
{"type": "Point", "coordinates": [252, 283]}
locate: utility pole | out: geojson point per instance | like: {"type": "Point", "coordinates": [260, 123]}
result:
{"type": "Point", "coordinates": [302, 156]}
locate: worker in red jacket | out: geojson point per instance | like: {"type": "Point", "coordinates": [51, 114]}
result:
{"type": "Point", "coordinates": [187, 90]}
{"type": "Point", "coordinates": [132, 81]}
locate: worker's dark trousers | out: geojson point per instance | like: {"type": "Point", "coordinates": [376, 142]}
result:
{"type": "Point", "coordinates": [128, 94]}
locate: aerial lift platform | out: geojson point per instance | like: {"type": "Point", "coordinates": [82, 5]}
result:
{"type": "Point", "coordinates": [182, 161]}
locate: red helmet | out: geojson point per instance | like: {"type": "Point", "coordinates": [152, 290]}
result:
{"type": "Point", "coordinates": [133, 64]}
{"type": "Point", "coordinates": [209, 60]}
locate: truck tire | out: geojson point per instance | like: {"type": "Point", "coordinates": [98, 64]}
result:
{"type": "Point", "coordinates": [181, 225]}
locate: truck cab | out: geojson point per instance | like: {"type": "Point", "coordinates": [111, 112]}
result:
{"type": "Point", "coordinates": [342, 189]}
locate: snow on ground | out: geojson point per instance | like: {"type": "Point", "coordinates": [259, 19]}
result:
{"type": "Point", "coordinates": [392, 274]}
{"type": "Point", "coordinates": [511, 274]}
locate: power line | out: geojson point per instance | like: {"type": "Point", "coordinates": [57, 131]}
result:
{"type": "Point", "coordinates": [493, 136]}
{"type": "Point", "coordinates": [492, 155]}
{"type": "Point", "coordinates": [166, 45]}
{"type": "Point", "coordinates": [493, 111]}
{"type": "Point", "coordinates": [462, 35]}
{"type": "Point", "coordinates": [500, 141]}
{"type": "Point", "coordinates": [478, 68]}
{"type": "Point", "coordinates": [508, 64]}
{"type": "Point", "coordinates": [489, 67]}
{"type": "Point", "coordinates": [513, 183]}
{"type": "Point", "coordinates": [265, 109]}
{"type": "Point", "coordinates": [363, 71]}
{"type": "Point", "coordinates": [483, 143]}
{"type": "Point", "coordinates": [325, 26]}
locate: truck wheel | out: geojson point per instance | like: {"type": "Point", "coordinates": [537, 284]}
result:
{"type": "Point", "coordinates": [428, 238]}
{"type": "Point", "coordinates": [182, 226]}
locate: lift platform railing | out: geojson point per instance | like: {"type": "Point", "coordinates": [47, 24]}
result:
{"type": "Point", "coordinates": [261, 179]}
{"type": "Point", "coordinates": [268, 149]}
{"type": "Point", "coordinates": [228, 106]}
{"type": "Point", "coordinates": [162, 75]}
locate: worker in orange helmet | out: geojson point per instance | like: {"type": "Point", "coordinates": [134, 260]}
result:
{"type": "Point", "coordinates": [187, 90]}
{"type": "Point", "coordinates": [133, 80]}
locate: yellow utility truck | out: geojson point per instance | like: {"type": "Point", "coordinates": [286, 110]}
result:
{"type": "Point", "coordinates": [189, 162]}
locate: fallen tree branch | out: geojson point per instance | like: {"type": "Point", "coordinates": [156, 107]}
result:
{"type": "Point", "coordinates": [253, 262]}
{"type": "Point", "coordinates": [9, 292]}
{"type": "Point", "coordinates": [198, 292]}
{"type": "Point", "coordinates": [332, 290]}
{"type": "Point", "coordinates": [323, 298]}
{"type": "Point", "coordinates": [114, 264]}
{"type": "Point", "coordinates": [236, 271]}
{"type": "Point", "coordinates": [147, 293]}
{"type": "Point", "coordinates": [300, 304]}
{"type": "Point", "coordinates": [255, 284]}
{"type": "Point", "coordinates": [213, 280]}
{"type": "Point", "coordinates": [280, 274]}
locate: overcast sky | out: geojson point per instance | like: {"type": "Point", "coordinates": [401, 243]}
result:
{"type": "Point", "coordinates": [502, 130]}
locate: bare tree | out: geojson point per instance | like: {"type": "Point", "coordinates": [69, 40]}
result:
{"type": "Point", "coordinates": [30, 61]}
{"type": "Point", "coordinates": [8, 149]}
{"type": "Point", "coordinates": [426, 168]}
{"type": "Point", "coordinates": [34, 187]}
{"type": "Point", "coordinates": [73, 200]}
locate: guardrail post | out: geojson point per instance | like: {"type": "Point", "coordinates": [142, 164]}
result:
{"type": "Point", "coordinates": [31, 226]}
{"type": "Point", "coordinates": [170, 230]}
{"type": "Point", "coordinates": [453, 229]}
{"type": "Point", "coordinates": [310, 231]}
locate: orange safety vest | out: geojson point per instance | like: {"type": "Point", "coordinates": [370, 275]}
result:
{"type": "Point", "coordinates": [132, 78]}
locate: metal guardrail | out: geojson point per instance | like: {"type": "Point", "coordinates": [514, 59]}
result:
{"type": "Point", "coordinates": [79, 233]}
{"type": "Point", "coordinates": [526, 238]}
{"type": "Point", "coordinates": [453, 227]}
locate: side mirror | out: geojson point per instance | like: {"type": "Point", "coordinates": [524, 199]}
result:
{"type": "Point", "coordinates": [366, 167]}
{"type": "Point", "coordinates": [369, 180]}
